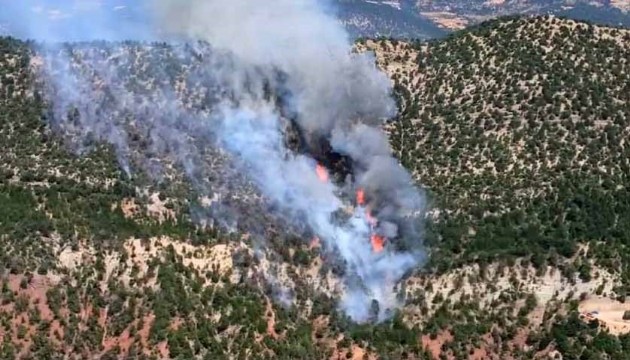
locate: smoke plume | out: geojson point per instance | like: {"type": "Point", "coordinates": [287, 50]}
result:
{"type": "Point", "coordinates": [269, 65]}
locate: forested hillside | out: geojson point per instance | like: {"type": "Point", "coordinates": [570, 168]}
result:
{"type": "Point", "coordinates": [421, 19]}
{"type": "Point", "coordinates": [517, 128]}
{"type": "Point", "coordinates": [99, 264]}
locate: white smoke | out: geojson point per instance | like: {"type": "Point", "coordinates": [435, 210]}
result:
{"type": "Point", "coordinates": [331, 86]}
{"type": "Point", "coordinates": [291, 47]}
{"type": "Point", "coordinates": [254, 135]}
{"type": "Point", "coordinates": [335, 94]}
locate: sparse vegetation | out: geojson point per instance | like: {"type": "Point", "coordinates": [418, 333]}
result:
{"type": "Point", "coordinates": [516, 126]}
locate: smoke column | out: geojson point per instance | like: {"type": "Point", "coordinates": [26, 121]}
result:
{"type": "Point", "coordinates": [336, 95]}
{"type": "Point", "coordinates": [293, 47]}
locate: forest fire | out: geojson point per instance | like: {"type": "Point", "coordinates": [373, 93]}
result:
{"type": "Point", "coordinates": [378, 243]}
{"type": "Point", "coordinates": [315, 243]}
{"type": "Point", "coordinates": [360, 197]}
{"type": "Point", "coordinates": [322, 173]}
{"type": "Point", "coordinates": [283, 141]}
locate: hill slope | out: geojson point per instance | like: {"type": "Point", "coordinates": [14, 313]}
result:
{"type": "Point", "coordinates": [518, 127]}
{"type": "Point", "coordinates": [519, 120]}
{"type": "Point", "coordinates": [520, 142]}
{"type": "Point", "coordinates": [454, 14]}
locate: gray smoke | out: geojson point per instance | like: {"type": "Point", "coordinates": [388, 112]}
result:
{"type": "Point", "coordinates": [337, 95]}
{"type": "Point", "coordinates": [218, 104]}
{"type": "Point", "coordinates": [331, 87]}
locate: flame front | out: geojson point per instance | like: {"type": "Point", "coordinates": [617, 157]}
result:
{"type": "Point", "coordinates": [322, 173]}
{"type": "Point", "coordinates": [360, 197]}
{"type": "Point", "coordinates": [378, 243]}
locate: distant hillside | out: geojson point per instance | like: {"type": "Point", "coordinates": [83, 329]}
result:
{"type": "Point", "coordinates": [402, 19]}
{"type": "Point", "coordinates": [430, 19]}
{"type": "Point", "coordinates": [455, 14]}
{"type": "Point", "coordinates": [397, 19]}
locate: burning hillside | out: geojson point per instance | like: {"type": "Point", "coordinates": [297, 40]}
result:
{"type": "Point", "coordinates": [377, 241]}
{"type": "Point", "coordinates": [298, 127]}
{"type": "Point", "coordinates": [209, 136]}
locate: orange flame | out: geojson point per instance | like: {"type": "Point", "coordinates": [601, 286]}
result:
{"type": "Point", "coordinates": [378, 243]}
{"type": "Point", "coordinates": [360, 197]}
{"type": "Point", "coordinates": [322, 173]}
